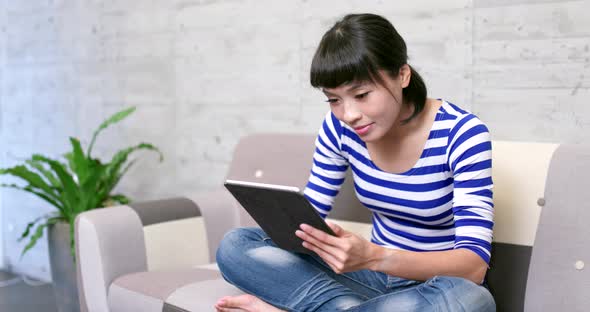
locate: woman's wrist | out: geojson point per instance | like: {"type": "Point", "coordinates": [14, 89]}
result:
{"type": "Point", "coordinates": [382, 259]}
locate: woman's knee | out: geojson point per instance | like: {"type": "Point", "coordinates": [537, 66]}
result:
{"type": "Point", "coordinates": [461, 294]}
{"type": "Point", "coordinates": [233, 243]}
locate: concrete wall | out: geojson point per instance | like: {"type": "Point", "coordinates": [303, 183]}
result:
{"type": "Point", "coordinates": [2, 49]}
{"type": "Point", "coordinates": [204, 73]}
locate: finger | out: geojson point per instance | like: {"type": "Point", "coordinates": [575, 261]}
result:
{"type": "Point", "coordinates": [320, 235]}
{"type": "Point", "coordinates": [335, 227]}
{"type": "Point", "coordinates": [334, 264]}
{"type": "Point", "coordinates": [334, 250]}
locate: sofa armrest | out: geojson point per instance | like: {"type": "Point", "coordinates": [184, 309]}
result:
{"type": "Point", "coordinates": [109, 243]}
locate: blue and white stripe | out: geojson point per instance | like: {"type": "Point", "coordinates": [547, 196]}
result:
{"type": "Point", "coordinates": [444, 202]}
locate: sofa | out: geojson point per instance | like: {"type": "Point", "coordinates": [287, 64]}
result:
{"type": "Point", "coordinates": [159, 255]}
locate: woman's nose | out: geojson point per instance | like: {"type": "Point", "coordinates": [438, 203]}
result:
{"type": "Point", "coordinates": [351, 113]}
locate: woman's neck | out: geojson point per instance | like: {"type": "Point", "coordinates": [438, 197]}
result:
{"type": "Point", "coordinates": [402, 130]}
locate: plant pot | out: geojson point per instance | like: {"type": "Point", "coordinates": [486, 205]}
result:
{"type": "Point", "coordinates": [63, 269]}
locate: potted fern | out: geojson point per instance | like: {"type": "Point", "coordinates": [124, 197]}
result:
{"type": "Point", "coordinates": [77, 184]}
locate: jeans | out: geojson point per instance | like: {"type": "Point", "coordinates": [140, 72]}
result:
{"type": "Point", "coordinates": [251, 261]}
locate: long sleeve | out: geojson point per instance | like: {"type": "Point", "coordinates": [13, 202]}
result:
{"type": "Point", "coordinates": [329, 166]}
{"type": "Point", "coordinates": [470, 160]}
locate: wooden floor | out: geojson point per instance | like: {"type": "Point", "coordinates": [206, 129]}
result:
{"type": "Point", "coordinates": [20, 297]}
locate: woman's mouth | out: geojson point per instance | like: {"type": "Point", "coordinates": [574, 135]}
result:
{"type": "Point", "coordinates": [362, 130]}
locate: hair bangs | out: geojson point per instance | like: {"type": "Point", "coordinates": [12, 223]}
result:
{"type": "Point", "coordinates": [339, 63]}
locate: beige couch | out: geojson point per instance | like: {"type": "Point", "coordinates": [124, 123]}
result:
{"type": "Point", "coordinates": [158, 255]}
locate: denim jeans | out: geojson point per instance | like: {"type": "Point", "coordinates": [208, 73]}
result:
{"type": "Point", "coordinates": [250, 260]}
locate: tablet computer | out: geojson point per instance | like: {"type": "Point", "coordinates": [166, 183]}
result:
{"type": "Point", "coordinates": [279, 210]}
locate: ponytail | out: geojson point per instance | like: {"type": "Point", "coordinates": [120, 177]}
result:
{"type": "Point", "coordinates": [415, 93]}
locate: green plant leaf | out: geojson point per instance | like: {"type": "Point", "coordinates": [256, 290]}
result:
{"type": "Point", "coordinates": [30, 225]}
{"type": "Point", "coordinates": [71, 193]}
{"type": "Point", "coordinates": [131, 163]}
{"type": "Point", "coordinates": [78, 162]}
{"type": "Point", "coordinates": [111, 120]}
{"type": "Point", "coordinates": [38, 234]}
{"type": "Point", "coordinates": [34, 180]}
{"type": "Point", "coordinates": [27, 230]}
{"type": "Point", "coordinates": [120, 198]}
{"type": "Point", "coordinates": [112, 170]}
{"type": "Point", "coordinates": [90, 187]}
{"type": "Point", "coordinates": [69, 156]}
{"type": "Point", "coordinates": [46, 173]}
{"type": "Point", "coordinates": [42, 159]}
{"type": "Point", "coordinates": [123, 172]}
{"type": "Point", "coordinates": [121, 157]}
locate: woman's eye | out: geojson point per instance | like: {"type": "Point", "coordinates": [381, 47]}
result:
{"type": "Point", "coordinates": [331, 101]}
{"type": "Point", "coordinates": [362, 95]}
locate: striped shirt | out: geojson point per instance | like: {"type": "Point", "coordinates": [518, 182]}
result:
{"type": "Point", "coordinates": [444, 202]}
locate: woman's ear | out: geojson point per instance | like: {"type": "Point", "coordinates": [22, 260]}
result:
{"type": "Point", "coordinates": [405, 74]}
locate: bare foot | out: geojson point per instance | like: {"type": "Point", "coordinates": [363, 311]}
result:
{"type": "Point", "coordinates": [247, 303]}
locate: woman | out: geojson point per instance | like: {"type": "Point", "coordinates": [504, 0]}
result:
{"type": "Point", "coordinates": [421, 165]}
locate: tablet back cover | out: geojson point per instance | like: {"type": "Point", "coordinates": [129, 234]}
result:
{"type": "Point", "coordinates": [279, 213]}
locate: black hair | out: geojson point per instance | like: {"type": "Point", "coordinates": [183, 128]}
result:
{"type": "Point", "coordinates": [356, 48]}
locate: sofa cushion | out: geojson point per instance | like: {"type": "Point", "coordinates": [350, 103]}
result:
{"type": "Point", "coordinates": [183, 290]}
{"type": "Point", "coordinates": [201, 296]}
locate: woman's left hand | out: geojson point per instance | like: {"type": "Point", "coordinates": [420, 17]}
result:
{"type": "Point", "coordinates": [345, 252]}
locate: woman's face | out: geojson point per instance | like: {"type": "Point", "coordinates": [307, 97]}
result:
{"type": "Point", "coordinates": [374, 111]}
